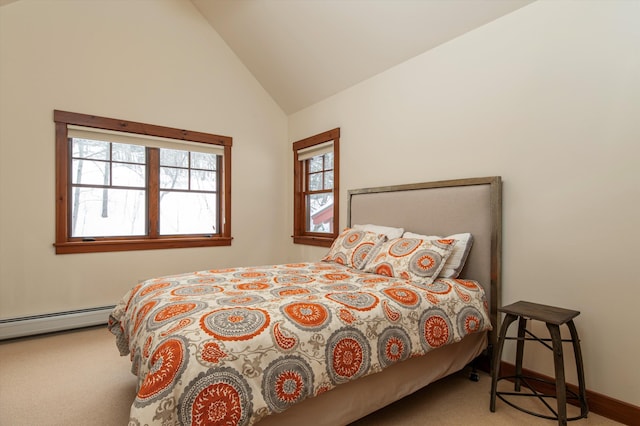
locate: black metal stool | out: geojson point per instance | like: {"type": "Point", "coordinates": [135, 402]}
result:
{"type": "Point", "coordinates": [554, 318]}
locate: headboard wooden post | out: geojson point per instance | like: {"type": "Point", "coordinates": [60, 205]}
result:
{"type": "Point", "coordinates": [443, 208]}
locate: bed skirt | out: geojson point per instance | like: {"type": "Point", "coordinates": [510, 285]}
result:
{"type": "Point", "coordinates": [354, 400]}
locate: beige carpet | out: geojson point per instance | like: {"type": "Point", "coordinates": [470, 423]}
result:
{"type": "Point", "coordinates": [78, 378]}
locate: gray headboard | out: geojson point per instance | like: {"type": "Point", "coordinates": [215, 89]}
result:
{"type": "Point", "coordinates": [443, 208]}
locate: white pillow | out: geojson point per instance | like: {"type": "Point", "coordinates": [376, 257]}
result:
{"type": "Point", "coordinates": [455, 262]}
{"type": "Point", "coordinates": [390, 232]}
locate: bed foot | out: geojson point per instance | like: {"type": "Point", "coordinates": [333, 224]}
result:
{"type": "Point", "coordinates": [474, 376]}
{"type": "Point", "coordinates": [473, 365]}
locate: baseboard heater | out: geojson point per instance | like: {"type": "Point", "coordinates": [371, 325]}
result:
{"type": "Point", "coordinates": [11, 328]}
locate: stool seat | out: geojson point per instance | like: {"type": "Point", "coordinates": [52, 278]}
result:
{"type": "Point", "coordinates": [545, 313]}
{"type": "Point", "coordinates": [553, 317]}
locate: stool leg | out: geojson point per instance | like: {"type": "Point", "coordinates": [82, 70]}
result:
{"type": "Point", "coordinates": [522, 325]}
{"type": "Point", "coordinates": [558, 360]}
{"type": "Point", "coordinates": [497, 357]}
{"type": "Point", "coordinates": [582, 389]}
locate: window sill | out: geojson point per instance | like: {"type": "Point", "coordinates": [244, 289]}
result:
{"type": "Point", "coordinates": [141, 244]}
{"type": "Point", "coordinates": [314, 241]}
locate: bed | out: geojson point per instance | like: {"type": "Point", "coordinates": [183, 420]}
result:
{"type": "Point", "coordinates": [331, 340]}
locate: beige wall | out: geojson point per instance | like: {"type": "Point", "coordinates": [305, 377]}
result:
{"type": "Point", "coordinates": [547, 97]}
{"type": "Point", "coordinates": [157, 62]}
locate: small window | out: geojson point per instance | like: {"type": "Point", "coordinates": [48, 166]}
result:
{"type": "Point", "coordinates": [123, 185]}
{"type": "Point", "coordinates": [316, 176]}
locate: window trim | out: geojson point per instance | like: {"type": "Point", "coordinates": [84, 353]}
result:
{"type": "Point", "coordinates": [65, 244]}
{"type": "Point", "coordinates": [300, 234]}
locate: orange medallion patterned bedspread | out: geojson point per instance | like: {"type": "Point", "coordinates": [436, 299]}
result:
{"type": "Point", "coordinates": [228, 347]}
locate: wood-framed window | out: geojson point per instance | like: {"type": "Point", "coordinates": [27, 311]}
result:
{"type": "Point", "coordinates": [316, 168]}
{"type": "Point", "coordinates": [123, 185]}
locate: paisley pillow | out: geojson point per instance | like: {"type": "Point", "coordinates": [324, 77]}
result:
{"type": "Point", "coordinates": [456, 261]}
{"type": "Point", "coordinates": [410, 258]}
{"type": "Point", "coordinates": [352, 247]}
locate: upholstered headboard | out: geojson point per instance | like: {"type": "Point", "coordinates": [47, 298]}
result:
{"type": "Point", "coordinates": [443, 208]}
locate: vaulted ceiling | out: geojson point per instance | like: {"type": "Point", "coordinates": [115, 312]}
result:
{"type": "Point", "coordinates": [303, 51]}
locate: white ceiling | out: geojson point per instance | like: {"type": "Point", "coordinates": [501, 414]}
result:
{"type": "Point", "coordinates": [303, 51]}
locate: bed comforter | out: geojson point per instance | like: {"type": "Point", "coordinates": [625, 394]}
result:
{"type": "Point", "coordinates": [228, 347]}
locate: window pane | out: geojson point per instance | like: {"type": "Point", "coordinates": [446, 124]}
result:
{"type": "Point", "coordinates": [187, 213]}
{"type": "Point", "coordinates": [201, 160]}
{"type": "Point", "coordinates": [328, 161]}
{"type": "Point", "coordinates": [128, 175]}
{"type": "Point", "coordinates": [99, 212]}
{"type": "Point", "coordinates": [90, 172]}
{"type": "Point", "coordinates": [174, 157]}
{"type": "Point", "coordinates": [315, 163]}
{"type": "Point", "coordinates": [171, 178]}
{"type": "Point", "coordinates": [320, 212]}
{"type": "Point", "coordinates": [95, 150]}
{"type": "Point", "coordinates": [203, 181]}
{"type": "Point", "coordinates": [128, 153]}
{"type": "Point", "coordinates": [328, 180]}
{"type": "Point", "coordinates": [315, 182]}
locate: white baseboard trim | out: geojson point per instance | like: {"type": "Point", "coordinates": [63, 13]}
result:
{"type": "Point", "coordinates": [11, 328]}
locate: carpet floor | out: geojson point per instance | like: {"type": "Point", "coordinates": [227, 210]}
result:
{"type": "Point", "coordinates": [77, 378]}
